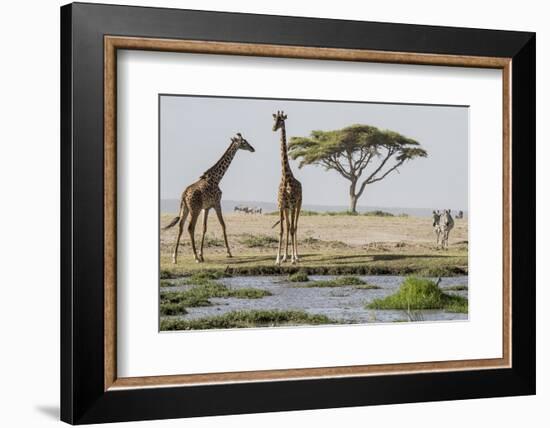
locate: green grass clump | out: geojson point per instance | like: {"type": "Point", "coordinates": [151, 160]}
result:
{"type": "Point", "coordinates": [204, 288]}
{"type": "Point", "coordinates": [247, 293]}
{"type": "Point", "coordinates": [205, 277]}
{"type": "Point", "coordinates": [333, 213]}
{"type": "Point", "coordinates": [299, 276]}
{"type": "Point", "coordinates": [378, 213]}
{"type": "Point", "coordinates": [342, 281]}
{"type": "Point", "coordinates": [243, 319]}
{"type": "Point", "coordinates": [254, 241]}
{"type": "Point", "coordinates": [172, 309]}
{"type": "Point", "coordinates": [192, 298]}
{"type": "Point", "coordinates": [213, 242]}
{"type": "Point", "coordinates": [310, 241]}
{"type": "Point", "coordinates": [166, 283]}
{"type": "Point", "coordinates": [417, 293]}
{"type": "Point", "coordinates": [437, 271]}
{"type": "Point", "coordinates": [308, 213]}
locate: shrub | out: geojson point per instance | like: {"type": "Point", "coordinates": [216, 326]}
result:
{"type": "Point", "coordinates": [416, 293]}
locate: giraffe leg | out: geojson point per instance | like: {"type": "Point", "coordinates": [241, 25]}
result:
{"type": "Point", "coordinates": [218, 209]}
{"type": "Point", "coordinates": [296, 216]}
{"type": "Point", "coordinates": [204, 221]}
{"type": "Point", "coordinates": [191, 230]}
{"type": "Point", "coordinates": [287, 225]}
{"type": "Point", "coordinates": [292, 236]}
{"type": "Point", "coordinates": [184, 214]}
{"type": "Point", "coordinates": [281, 220]}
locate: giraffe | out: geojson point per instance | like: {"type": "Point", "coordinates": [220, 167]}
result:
{"type": "Point", "coordinates": [289, 197]}
{"type": "Point", "coordinates": [205, 194]}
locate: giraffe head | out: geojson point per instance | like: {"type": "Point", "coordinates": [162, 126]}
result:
{"type": "Point", "coordinates": [279, 118]}
{"type": "Point", "coordinates": [242, 143]}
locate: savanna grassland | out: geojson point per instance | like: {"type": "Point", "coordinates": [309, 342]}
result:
{"type": "Point", "coordinates": [328, 244]}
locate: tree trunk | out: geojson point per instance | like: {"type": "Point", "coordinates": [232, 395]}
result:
{"type": "Point", "coordinates": [353, 197]}
{"type": "Point", "coordinates": [353, 204]}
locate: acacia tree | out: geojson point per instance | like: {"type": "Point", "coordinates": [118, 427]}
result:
{"type": "Point", "coordinates": [362, 154]}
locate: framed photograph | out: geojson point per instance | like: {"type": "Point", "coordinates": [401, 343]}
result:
{"type": "Point", "coordinates": [266, 213]}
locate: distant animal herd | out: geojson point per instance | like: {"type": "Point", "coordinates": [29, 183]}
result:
{"type": "Point", "coordinates": [205, 194]}
{"type": "Point", "coordinates": [247, 210]}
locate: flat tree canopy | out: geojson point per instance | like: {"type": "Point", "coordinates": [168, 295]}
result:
{"type": "Point", "coordinates": [362, 154]}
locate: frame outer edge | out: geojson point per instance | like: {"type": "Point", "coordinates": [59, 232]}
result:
{"type": "Point", "coordinates": [524, 219]}
{"type": "Point", "coordinates": [82, 401]}
{"type": "Point", "coordinates": [66, 226]}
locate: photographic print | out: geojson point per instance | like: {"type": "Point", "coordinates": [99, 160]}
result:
{"type": "Point", "coordinates": [288, 212]}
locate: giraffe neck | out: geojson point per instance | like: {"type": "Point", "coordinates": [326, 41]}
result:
{"type": "Point", "coordinates": [216, 172]}
{"type": "Point", "coordinates": [287, 172]}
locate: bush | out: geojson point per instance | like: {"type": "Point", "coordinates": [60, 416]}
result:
{"type": "Point", "coordinates": [416, 293]}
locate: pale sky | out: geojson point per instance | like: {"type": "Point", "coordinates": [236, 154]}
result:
{"type": "Point", "coordinates": [195, 131]}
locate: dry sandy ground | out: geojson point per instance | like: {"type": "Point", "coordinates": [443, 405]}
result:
{"type": "Point", "coordinates": [355, 231]}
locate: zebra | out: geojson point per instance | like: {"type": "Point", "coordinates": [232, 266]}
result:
{"type": "Point", "coordinates": [436, 219]}
{"type": "Point", "coordinates": [446, 223]}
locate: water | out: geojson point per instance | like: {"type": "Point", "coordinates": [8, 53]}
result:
{"type": "Point", "coordinates": [344, 304]}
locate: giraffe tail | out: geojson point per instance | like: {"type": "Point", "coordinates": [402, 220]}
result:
{"type": "Point", "coordinates": [278, 221]}
{"type": "Point", "coordinates": [175, 220]}
{"type": "Point", "coordinates": [172, 223]}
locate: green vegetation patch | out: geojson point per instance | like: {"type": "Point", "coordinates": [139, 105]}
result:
{"type": "Point", "coordinates": [342, 281]}
{"type": "Point", "coordinates": [255, 241]}
{"type": "Point", "coordinates": [243, 319]}
{"type": "Point", "coordinates": [213, 242]}
{"type": "Point", "coordinates": [203, 288]}
{"type": "Point", "coordinates": [205, 277]}
{"type": "Point", "coordinates": [299, 276]}
{"type": "Point", "coordinates": [378, 213]}
{"type": "Point", "coordinates": [333, 213]}
{"type": "Point", "coordinates": [167, 283]}
{"type": "Point", "coordinates": [309, 213]}
{"type": "Point", "coordinates": [417, 293]}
